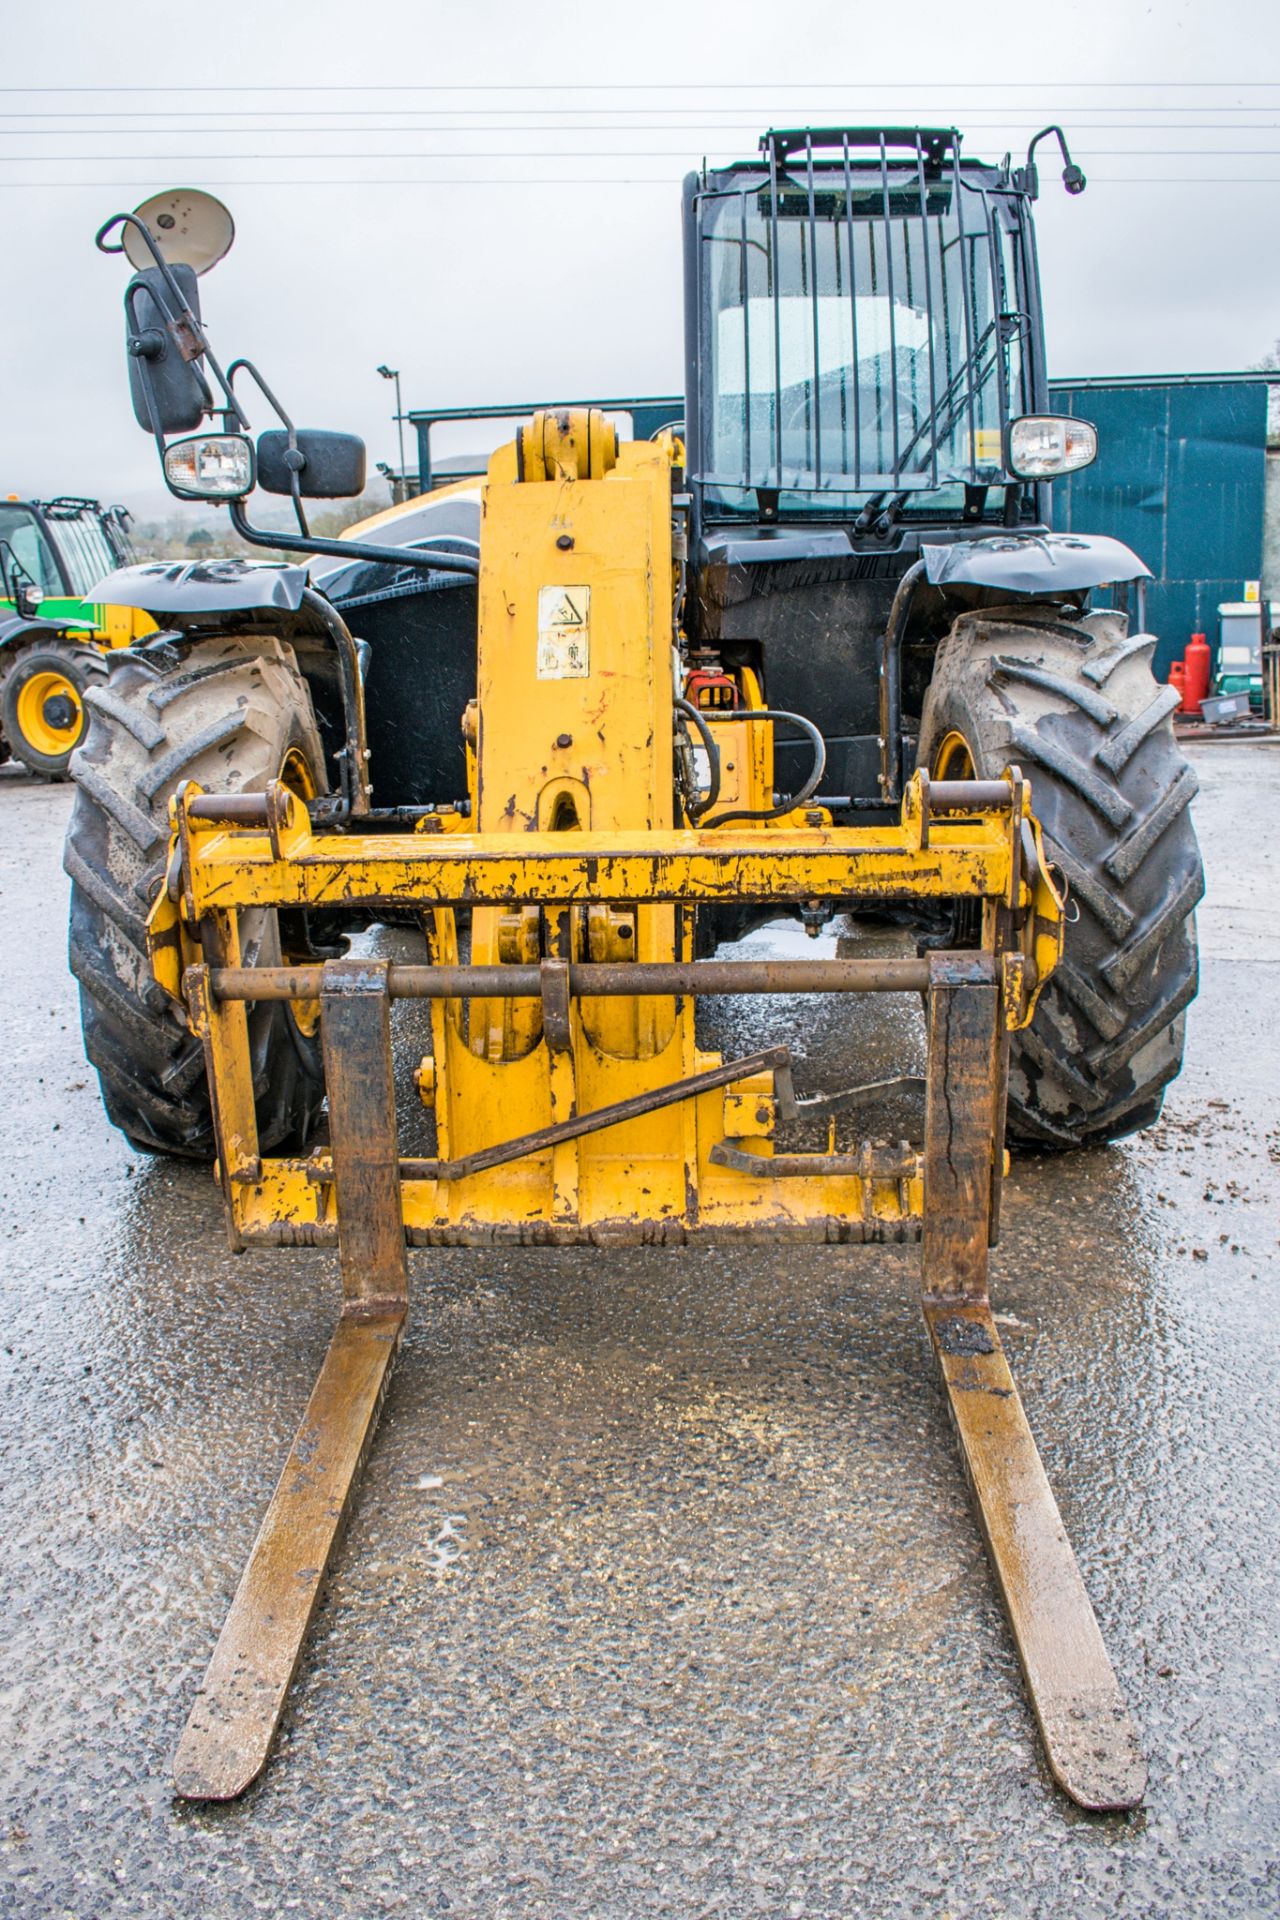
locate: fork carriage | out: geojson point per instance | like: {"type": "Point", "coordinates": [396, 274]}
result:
{"type": "Point", "coordinates": [643, 1137]}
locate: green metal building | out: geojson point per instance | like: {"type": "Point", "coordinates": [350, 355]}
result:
{"type": "Point", "coordinates": [1181, 477]}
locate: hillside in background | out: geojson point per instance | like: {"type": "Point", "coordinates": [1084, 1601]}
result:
{"type": "Point", "coordinates": [194, 532]}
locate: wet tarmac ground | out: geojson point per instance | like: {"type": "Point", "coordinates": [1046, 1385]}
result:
{"type": "Point", "coordinates": [662, 1597]}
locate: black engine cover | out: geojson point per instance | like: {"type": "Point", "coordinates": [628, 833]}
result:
{"type": "Point", "coordinates": [809, 614]}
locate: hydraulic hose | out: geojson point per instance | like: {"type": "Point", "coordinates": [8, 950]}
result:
{"type": "Point", "coordinates": [690, 712]}
{"type": "Point", "coordinates": [794, 800]}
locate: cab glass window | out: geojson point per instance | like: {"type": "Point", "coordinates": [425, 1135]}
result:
{"type": "Point", "coordinates": [87, 552]}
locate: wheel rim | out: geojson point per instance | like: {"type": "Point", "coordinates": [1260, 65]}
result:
{"type": "Point", "coordinates": [50, 714]}
{"type": "Point", "coordinates": [298, 777]}
{"type": "Point", "coordinates": [953, 759]}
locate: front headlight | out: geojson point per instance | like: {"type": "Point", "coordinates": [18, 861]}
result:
{"type": "Point", "coordinates": [210, 466]}
{"type": "Point", "coordinates": [1042, 445]}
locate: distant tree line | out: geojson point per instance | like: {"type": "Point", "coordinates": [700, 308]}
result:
{"type": "Point", "coordinates": [199, 533]}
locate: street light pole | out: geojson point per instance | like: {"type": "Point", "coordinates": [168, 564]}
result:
{"type": "Point", "coordinates": [393, 373]}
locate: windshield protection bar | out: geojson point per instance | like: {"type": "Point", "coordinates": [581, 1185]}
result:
{"type": "Point", "coordinates": [932, 143]}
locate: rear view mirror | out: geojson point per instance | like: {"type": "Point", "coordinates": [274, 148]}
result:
{"type": "Point", "coordinates": [329, 466]}
{"type": "Point", "coordinates": [168, 390]}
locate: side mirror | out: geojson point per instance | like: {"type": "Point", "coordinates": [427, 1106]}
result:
{"type": "Point", "coordinates": [165, 383]}
{"type": "Point", "coordinates": [329, 466]}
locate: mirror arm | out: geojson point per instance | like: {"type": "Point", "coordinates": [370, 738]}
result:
{"type": "Point", "coordinates": [293, 459]}
{"type": "Point", "coordinates": [17, 580]}
{"type": "Point", "coordinates": [429, 559]}
{"type": "Point", "coordinates": [1027, 179]}
{"type": "Point", "coordinates": [11, 574]}
{"type": "Point", "coordinates": [242, 365]}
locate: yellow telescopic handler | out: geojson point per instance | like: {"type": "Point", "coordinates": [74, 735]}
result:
{"type": "Point", "coordinates": [856, 503]}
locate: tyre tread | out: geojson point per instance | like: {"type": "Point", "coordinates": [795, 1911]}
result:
{"type": "Point", "coordinates": [159, 721]}
{"type": "Point", "coordinates": [1113, 792]}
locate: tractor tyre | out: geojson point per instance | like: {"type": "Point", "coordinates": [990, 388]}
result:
{"type": "Point", "coordinates": [232, 716]}
{"type": "Point", "coordinates": [42, 702]}
{"type": "Point", "coordinates": [1075, 705]}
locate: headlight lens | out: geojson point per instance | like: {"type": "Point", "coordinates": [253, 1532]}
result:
{"type": "Point", "coordinates": [1043, 445]}
{"type": "Point", "coordinates": [210, 466]}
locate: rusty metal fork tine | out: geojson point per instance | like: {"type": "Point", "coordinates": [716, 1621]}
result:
{"type": "Point", "coordinates": [238, 1708]}
{"type": "Point", "coordinates": [1089, 1737]}
{"type": "Point", "coordinates": [228, 1736]}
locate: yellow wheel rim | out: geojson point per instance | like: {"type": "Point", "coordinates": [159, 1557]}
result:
{"type": "Point", "coordinates": [296, 775]}
{"type": "Point", "coordinates": [953, 759]}
{"type": "Point", "coordinates": [50, 714]}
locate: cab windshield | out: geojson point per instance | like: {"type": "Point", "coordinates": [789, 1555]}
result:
{"type": "Point", "coordinates": [862, 337]}
{"type": "Point", "coordinates": [86, 550]}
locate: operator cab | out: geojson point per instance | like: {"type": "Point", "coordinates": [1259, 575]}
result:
{"type": "Point", "coordinates": [864, 374]}
{"type": "Point", "coordinates": [52, 552]}
{"type": "Point", "coordinates": [866, 341]}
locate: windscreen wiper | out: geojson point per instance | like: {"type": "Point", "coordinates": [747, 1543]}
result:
{"type": "Point", "coordinates": [965, 384]}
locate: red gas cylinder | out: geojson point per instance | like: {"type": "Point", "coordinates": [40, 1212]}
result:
{"type": "Point", "coordinates": [1178, 679]}
{"type": "Point", "coordinates": [1197, 659]}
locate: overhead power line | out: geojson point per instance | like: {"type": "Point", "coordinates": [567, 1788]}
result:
{"type": "Point", "coordinates": [748, 127]}
{"type": "Point", "coordinates": [662, 86]}
{"type": "Point", "coordinates": [577, 153]}
{"type": "Point", "coordinates": [665, 180]}
{"type": "Point", "coordinates": [563, 112]}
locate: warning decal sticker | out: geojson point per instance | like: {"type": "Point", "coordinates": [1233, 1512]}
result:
{"type": "Point", "coordinates": [564, 633]}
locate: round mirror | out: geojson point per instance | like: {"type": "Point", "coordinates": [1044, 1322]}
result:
{"type": "Point", "coordinates": [190, 229]}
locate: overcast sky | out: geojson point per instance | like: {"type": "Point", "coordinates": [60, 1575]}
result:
{"type": "Point", "coordinates": [487, 195]}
